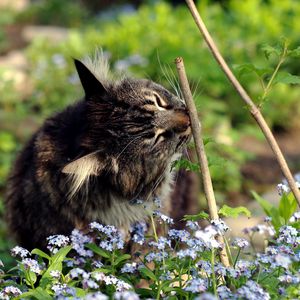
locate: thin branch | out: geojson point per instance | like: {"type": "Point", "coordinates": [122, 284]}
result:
{"type": "Point", "coordinates": [246, 98]}
{"type": "Point", "coordinates": [196, 130]}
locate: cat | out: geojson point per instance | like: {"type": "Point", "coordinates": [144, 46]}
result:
{"type": "Point", "coordinates": [105, 158]}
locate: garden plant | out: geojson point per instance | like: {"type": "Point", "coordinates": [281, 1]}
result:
{"type": "Point", "coordinates": [177, 264]}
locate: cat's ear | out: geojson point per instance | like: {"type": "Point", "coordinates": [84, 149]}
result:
{"type": "Point", "coordinates": [81, 169]}
{"type": "Point", "coordinates": [91, 85]}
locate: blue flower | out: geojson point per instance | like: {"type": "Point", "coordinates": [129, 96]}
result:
{"type": "Point", "coordinates": [19, 251]}
{"type": "Point", "coordinates": [129, 267]}
{"type": "Point", "coordinates": [78, 243]}
{"type": "Point", "coordinates": [252, 291]}
{"type": "Point", "coordinates": [196, 285]}
{"type": "Point", "coordinates": [55, 242]}
{"type": "Point", "coordinates": [240, 243]}
{"type": "Point", "coordinates": [138, 231]}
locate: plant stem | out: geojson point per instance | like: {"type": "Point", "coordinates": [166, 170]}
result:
{"type": "Point", "coordinates": [212, 261]}
{"type": "Point", "coordinates": [246, 98]}
{"type": "Point", "coordinates": [237, 256]}
{"type": "Point", "coordinates": [196, 130]}
{"type": "Point", "coordinates": [154, 228]}
{"type": "Point", "coordinates": [281, 60]}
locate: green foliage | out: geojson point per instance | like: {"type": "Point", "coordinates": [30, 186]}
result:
{"type": "Point", "coordinates": [279, 215]}
{"type": "Point", "coordinates": [234, 212]}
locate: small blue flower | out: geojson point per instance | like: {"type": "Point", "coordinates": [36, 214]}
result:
{"type": "Point", "coordinates": [240, 243]}
{"type": "Point", "coordinates": [138, 231]}
{"type": "Point", "coordinates": [252, 291]}
{"type": "Point", "coordinates": [196, 285]}
{"type": "Point", "coordinates": [126, 295]}
{"type": "Point", "coordinates": [55, 242]}
{"type": "Point", "coordinates": [129, 267]}
{"type": "Point", "coordinates": [19, 251]}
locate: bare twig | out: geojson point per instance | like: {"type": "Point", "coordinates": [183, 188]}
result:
{"type": "Point", "coordinates": [196, 130]}
{"type": "Point", "coordinates": [244, 95]}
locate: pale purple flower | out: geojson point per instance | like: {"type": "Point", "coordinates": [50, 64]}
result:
{"type": "Point", "coordinates": [219, 225]}
{"type": "Point", "coordinates": [78, 243]}
{"type": "Point", "coordinates": [208, 237]}
{"type": "Point", "coordinates": [19, 251]}
{"type": "Point", "coordinates": [193, 225]}
{"type": "Point", "coordinates": [196, 285]}
{"type": "Point", "coordinates": [138, 231]}
{"type": "Point", "coordinates": [163, 218]}
{"type": "Point", "coordinates": [122, 286]}
{"type": "Point", "coordinates": [295, 217]}
{"type": "Point", "coordinates": [240, 243]}
{"type": "Point", "coordinates": [10, 291]}
{"type": "Point", "coordinates": [252, 291]}
{"type": "Point", "coordinates": [161, 244]}
{"type": "Point", "coordinates": [282, 189]}
{"type": "Point", "coordinates": [182, 235]}
{"type": "Point", "coordinates": [78, 273]}
{"type": "Point", "coordinates": [224, 292]}
{"type": "Point", "coordinates": [281, 260]}
{"type": "Point", "coordinates": [55, 274]}
{"type": "Point", "coordinates": [289, 279]}
{"type": "Point", "coordinates": [32, 265]}
{"type": "Point", "coordinates": [55, 242]}
{"type": "Point", "coordinates": [187, 253]}
{"type": "Point", "coordinates": [129, 267]}
{"type": "Point", "coordinates": [206, 296]}
{"type": "Point", "coordinates": [95, 296]}
{"type": "Point", "coordinates": [62, 289]}
{"type": "Point", "coordinates": [126, 295]}
{"type": "Point", "coordinates": [151, 256]}
{"type": "Point", "coordinates": [89, 284]}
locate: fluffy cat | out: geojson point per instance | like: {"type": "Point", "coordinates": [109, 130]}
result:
{"type": "Point", "coordinates": [97, 158]}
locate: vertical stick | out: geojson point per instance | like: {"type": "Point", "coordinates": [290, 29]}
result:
{"type": "Point", "coordinates": [255, 112]}
{"type": "Point", "coordinates": [196, 130]}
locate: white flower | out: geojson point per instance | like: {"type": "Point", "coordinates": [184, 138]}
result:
{"type": "Point", "coordinates": [19, 251]}
{"type": "Point", "coordinates": [32, 265]}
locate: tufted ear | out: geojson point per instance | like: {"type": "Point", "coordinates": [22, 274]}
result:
{"type": "Point", "coordinates": [91, 85]}
{"type": "Point", "coordinates": [81, 169]}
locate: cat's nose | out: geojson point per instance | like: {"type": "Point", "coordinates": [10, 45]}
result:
{"type": "Point", "coordinates": [181, 120]}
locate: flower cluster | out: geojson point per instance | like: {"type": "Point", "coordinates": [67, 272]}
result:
{"type": "Point", "coordinates": [183, 260]}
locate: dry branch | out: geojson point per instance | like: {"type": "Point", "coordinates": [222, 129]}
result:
{"type": "Point", "coordinates": [196, 130]}
{"type": "Point", "coordinates": [246, 98]}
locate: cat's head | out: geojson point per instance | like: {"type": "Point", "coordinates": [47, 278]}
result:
{"type": "Point", "coordinates": [134, 129]}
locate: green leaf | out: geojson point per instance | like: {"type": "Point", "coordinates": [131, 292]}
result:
{"type": "Point", "coordinates": [270, 210]}
{"type": "Point", "coordinates": [186, 165]}
{"type": "Point", "coordinates": [40, 253]}
{"type": "Point", "coordinates": [55, 264]}
{"type": "Point", "coordinates": [199, 216]}
{"type": "Point", "coordinates": [234, 212]}
{"type": "Point", "coordinates": [294, 52]}
{"type": "Point", "coordinates": [30, 278]}
{"type": "Point", "coordinates": [148, 273]}
{"type": "Point", "coordinates": [270, 50]}
{"type": "Point", "coordinates": [287, 206]}
{"type": "Point", "coordinates": [287, 78]}
{"type": "Point", "coordinates": [122, 258]}
{"type": "Point", "coordinates": [245, 69]}
{"type": "Point", "coordinates": [98, 250]}
{"type": "Point", "coordinates": [37, 293]}
{"type": "Point", "coordinates": [145, 293]}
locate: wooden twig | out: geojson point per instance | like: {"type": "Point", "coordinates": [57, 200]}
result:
{"type": "Point", "coordinates": [246, 98]}
{"type": "Point", "coordinates": [196, 130]}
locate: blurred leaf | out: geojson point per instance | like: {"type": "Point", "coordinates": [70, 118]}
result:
{"type": "Point", "coordinates": [98, 250]}
{"type": "Point", "coordinates": [269, 209]}
{"type": "Point", "coordinates": [270, 50]}
{"type": "Point", "coordinates": [294, 52]}
{"type": "Point", "coordinates": [121, 259]}
{"type": "Point", "coordinates": [245, 69]}
{"type": "Point", "coordinates": [38, 293]}
{"type": "Point", "coordinates": [148, 273]}
{"type": "Point", "coordinates": [40, 253]}
{"type": "Point", "coordinates": [7, 142]}
{"type": "Point", "coordinates": [186, 165]}
{"type": "Point", "coordinates": [199, 216]}
{"type": "Point", "coordinates": [234, 212]}
{"type": "Point", "coordinates": [284, 77]}
{"type": "Point", "coordinates": [287, 206]}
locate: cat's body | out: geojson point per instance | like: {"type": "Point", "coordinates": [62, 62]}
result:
{"type": "Point", "coordinates": [95, 160]}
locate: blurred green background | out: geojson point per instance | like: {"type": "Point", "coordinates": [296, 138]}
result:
{"type": "Point", "coordinates": [38, 40]}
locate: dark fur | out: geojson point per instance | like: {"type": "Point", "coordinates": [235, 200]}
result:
{"type": "Point", "coordinates": [115, 124]}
